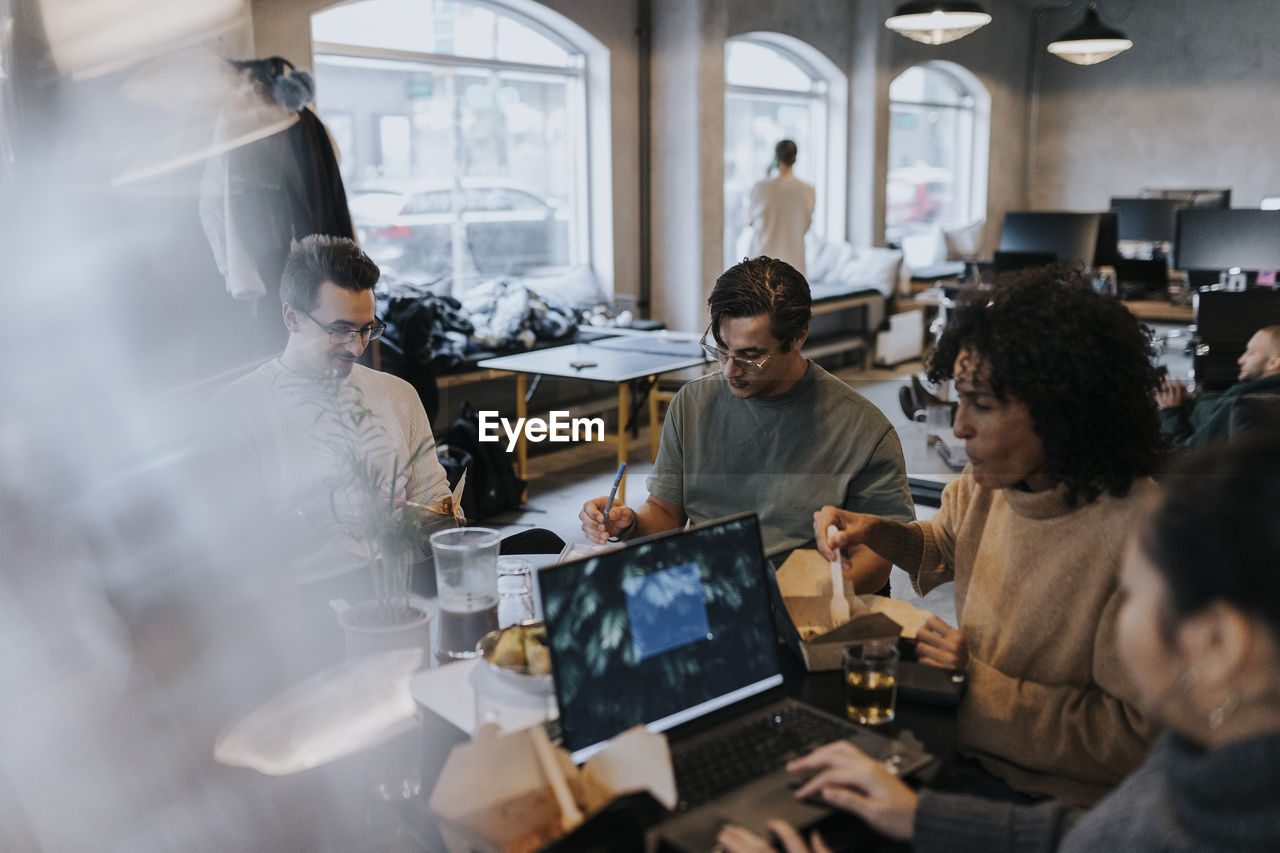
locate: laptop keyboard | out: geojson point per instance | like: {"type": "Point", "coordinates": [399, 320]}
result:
{"type": "Point", "coordinates": [747, 750]}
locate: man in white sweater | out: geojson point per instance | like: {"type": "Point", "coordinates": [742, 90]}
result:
{"type": "Point", "coordinates": [297, 415]}
{"type": "Point", "coordinates": [781, 211]}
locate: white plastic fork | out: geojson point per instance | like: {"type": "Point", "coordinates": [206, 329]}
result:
{"type": "Point", "coordinates": [839, 604]}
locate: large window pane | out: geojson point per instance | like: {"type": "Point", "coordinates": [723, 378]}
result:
{"type": "Point", "coordinates": [751, 64]}
{"type": "Point", "coordinates": [457, 168]}
{"type": "Point", "coordinates": [931, 153]}
{"type": "Point", "coordinates": [445, 27]}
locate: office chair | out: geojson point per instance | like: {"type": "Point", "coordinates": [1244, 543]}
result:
{"type": "Point", "coordinates": [1224, 323]}
{"type": "Point", "coordinates": [1253, 412]}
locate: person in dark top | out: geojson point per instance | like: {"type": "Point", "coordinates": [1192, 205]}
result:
{"type": "Point", "coordinates": [1199, 630]}
{"type": "Point", "coordinates": [1193, 420]}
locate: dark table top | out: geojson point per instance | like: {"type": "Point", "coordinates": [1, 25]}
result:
{"type": "Point", "coordinates": [932, 726]}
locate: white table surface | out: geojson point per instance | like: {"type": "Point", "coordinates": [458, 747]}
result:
{"type": "Point", "coordinates": [607, 365]}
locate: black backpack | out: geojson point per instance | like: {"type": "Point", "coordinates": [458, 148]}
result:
{"type": "Point", "coordinates": [492, 484]}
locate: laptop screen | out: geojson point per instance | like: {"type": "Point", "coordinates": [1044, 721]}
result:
{"type": "Point", "coordinates": [663, 631]}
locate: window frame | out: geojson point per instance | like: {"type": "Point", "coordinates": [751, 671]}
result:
{"type": "Point", "coordinates": [577, 132]}
{"type": "Point", "coordinates": [973, 107]}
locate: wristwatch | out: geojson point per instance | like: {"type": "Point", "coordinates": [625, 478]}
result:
{"type": "Point", "coordinates": [626, 532]}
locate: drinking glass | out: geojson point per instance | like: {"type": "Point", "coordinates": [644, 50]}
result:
{"type": "Point", "coordinates": [936, 419]}
{"type": "Point", "coordinates": [870, 681]}
{"type": "Point", "coordinates": [515, 591]}
{"type": "Point", "coordinates": [466, 561]}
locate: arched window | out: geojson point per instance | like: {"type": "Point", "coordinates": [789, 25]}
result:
{"type": "Point", "coordinates": [777, 87]}
{"type": "Point", "coordinates": [939, 132]}
{"type": "Point", "coordinates": [462, 132]}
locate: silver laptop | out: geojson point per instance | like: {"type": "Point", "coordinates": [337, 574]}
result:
{"type": "Point", "coordinates": [676, 632]}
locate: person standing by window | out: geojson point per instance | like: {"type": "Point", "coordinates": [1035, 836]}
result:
{"type": "Point", "coordinates": [781, 210]}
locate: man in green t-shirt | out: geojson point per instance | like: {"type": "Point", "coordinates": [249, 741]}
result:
{"type": "Point", "coordinates": [1193, 420]}
{"type": "Point", "coordinates": [771, 432]}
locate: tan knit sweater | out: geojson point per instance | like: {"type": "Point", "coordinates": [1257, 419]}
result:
{"type": "Point", "coordinates": [1049, 707]}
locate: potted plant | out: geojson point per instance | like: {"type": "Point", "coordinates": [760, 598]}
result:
{"type": "Point", "coordinates": [366, 498]}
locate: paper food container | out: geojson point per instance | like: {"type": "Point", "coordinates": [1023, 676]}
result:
{"type": "Point", "coordinates": [803, 594]}
{"type": "Point", "coordinates": [494, 797]}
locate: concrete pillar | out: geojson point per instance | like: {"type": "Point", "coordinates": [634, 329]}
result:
{"type": "Point", "coordinates": [687, 138]}
{"type": "Point", "coordinates": [868, 130]}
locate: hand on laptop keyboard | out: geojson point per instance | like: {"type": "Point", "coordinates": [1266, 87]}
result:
{"type": "Point", "coordinates": [735, 839]}
{"type": "Point", "coordinates": [847, 778]}
{"type": "Point", "coordinates": [763, 744]}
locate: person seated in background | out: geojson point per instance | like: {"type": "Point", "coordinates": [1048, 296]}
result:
{"type": "Point", "coordinates": [298, 416]}
{"type": "Point", "coordinates": [1055, 409]}
{"type": "Point", "coordinates": [772, 432]}
{"type": "Point", "coordinates": [1191, 420]}
{"type": "Point", "coordinates": [1198, 629]}
{"type": "Point", "coordinates": [317, 433]}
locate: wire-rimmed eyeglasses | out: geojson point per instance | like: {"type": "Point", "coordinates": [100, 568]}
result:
{"type": "Point", "coordinates": [746, 365]}
{"type": "Point", "coordinates": [338, 337]}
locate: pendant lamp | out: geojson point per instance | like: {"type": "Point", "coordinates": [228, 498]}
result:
{"type": "Point", "coordinates": [937, 21]}
{"type": "Point", "coordinates": [1091, 42]}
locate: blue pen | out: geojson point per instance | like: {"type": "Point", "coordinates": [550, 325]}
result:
{"type": "Point", "coordinates": [617, 480]}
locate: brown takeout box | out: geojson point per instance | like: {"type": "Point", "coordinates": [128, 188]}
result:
{"type": "Point", "coordinates": [804, 584]}
{"type": "Point", "coordinates": [493, 796]}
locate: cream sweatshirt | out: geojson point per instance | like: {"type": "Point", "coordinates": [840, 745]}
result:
{"type": "Point", "coordinates": [1049, 707]}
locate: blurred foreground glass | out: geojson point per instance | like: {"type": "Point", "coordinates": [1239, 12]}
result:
{"type": "Point", "coordinates": [871, 681]}
{"type": "Point", "coordinates": [467, 585]}
{"type": "Point", "coordinates": [394, 767]}
{"type": "Point", "coordinates": [515, 591]}
{"type": "Point", "coordinates": [508, 708]}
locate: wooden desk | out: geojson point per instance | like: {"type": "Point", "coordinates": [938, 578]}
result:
{"type": "Point", "coordinates": [600, 363]}
{"type": "Point", "coordinates": [1159, 311]}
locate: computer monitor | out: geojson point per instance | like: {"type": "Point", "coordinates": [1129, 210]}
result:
{"type": "Point", "coordinates": [1003, 261]}
{"type": "Point", "coordinates": [1209, 239]}
{"type": "Point", "coordinates": [1145, 220]}
{"type": "Point", "coordinates": [1219, 199]}
{"type": "Point", "coordinates": [1069, 236]}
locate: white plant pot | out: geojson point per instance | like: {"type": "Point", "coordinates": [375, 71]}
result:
{"type": "Point", "coordinates": [366, 635]}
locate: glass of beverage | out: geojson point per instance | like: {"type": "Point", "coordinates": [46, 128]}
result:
{"type": "Point", "coordinates": [871, 681]}
{"type": "Point", "coordinates": [515, 591]}
{"type": "Point", "coordinates": [466, 561]}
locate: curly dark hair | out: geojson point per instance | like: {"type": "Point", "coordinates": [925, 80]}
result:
{"type": "Point", "coordinates": [1079, 360]}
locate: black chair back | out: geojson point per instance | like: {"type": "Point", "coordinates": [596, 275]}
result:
{"type": "Point", "coordinates": [1253, 412]}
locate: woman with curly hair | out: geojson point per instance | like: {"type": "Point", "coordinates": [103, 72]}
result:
{"type": "Point", "coordinates": [1199, 632]}
{"type": "Point", "coordinates": [1055, 408]}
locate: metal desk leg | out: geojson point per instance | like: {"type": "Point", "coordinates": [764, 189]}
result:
{"type": "Point", "coordinates": [522, 447]}
{"type": "Point", "coordinates": [655, 428]}
{"type": "Point", "coordinates": [624, 413]}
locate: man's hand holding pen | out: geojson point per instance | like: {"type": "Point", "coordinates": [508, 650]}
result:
{"type": "Point", "coordinates": [602, 520]}
{"type": "Point", "coordinates": [622, 519]}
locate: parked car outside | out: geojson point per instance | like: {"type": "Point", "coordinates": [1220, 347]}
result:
{"type": "Point", "coordinates": [916, 195]}
{"type": "Point", "coordinates": [506, 227]}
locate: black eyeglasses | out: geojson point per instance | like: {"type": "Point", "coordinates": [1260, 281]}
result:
{"type": "Point", "coordinates": [746, 365]}
{"type": "Point", "coordinates": [339, 337]}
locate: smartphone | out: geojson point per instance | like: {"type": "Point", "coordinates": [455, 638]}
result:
{"type": "Point", "coordinates": [929, 685]}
